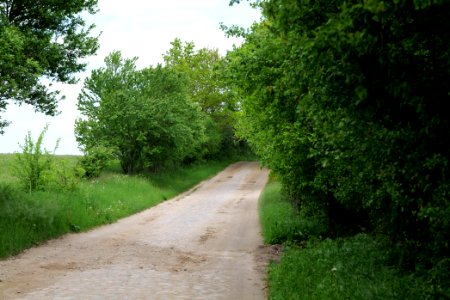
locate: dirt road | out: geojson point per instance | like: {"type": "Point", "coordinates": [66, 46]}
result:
{"type": "Point", "coordinates": [204, 244]}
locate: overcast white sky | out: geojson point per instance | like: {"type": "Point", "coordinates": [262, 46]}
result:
{"type": "Point", "coordinates": [140, 28]}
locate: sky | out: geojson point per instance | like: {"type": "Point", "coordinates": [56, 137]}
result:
{"type": "Point", "coordinates": [139, 28]}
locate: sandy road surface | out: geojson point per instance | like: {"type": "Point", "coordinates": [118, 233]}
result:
{"type": "Point", "coordinates": [204, 244]}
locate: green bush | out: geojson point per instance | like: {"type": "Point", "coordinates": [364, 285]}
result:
{"type": "Point", "coordinates": [95, 160]}
{"type": "Point", "coordinates": [353, 267]}
{"type": "Point", "coordinates": [63, 175]}
{"type": "Point", "coordinates": [345, 102]}
{"type": "Point", "coordinates": [32, 164]}
{"type": "Point", "coordinates": [145, 115]}
{"type": "Point", "coordinates": [37, 169]}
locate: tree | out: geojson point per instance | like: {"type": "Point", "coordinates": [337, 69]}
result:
{"type": "Point", "coordinates": [207, 87]}
{"type": "Point", "coordinates": [345, 100]}
{"type": "Point", "coordinates": [145, 116]}
{"type": "Point", "coordinates": [202, 70]}
{"type": "Point", "coordinates": [41, 39]}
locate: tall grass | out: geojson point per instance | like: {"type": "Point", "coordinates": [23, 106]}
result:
{"type": "Point", "coordinates": [27, 219]}
{"type": "Point", "coordinates": [281, 222]}
{"type": "Point", "coordinates": [277, 216]}
{"type": "Point", "coordinates": [345, 268]}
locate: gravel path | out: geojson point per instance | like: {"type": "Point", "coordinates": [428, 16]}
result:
{"type": "Point", "coordinates": [204, 244]}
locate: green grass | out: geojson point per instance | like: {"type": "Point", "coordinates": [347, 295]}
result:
{"type": "Point", "coordinates": [278, 219]}
{"type": "Point", "coordinates": [6, 161]}
{"type": "Point", "coordinates": [29, 219]}
{"type": "Point", "coordinates": [345, 268]}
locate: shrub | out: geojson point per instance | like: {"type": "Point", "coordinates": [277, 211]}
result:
{"type": "Point", "coordinates": [37, 169]}
{"type": "Point", "coordinates": [95, 160]}
{"type": "Point", "coordinates": [146, 115]}
{"type": "Point", "coordinates": [31, 165]}
{"type": "Point", "coordinates": [345, 101]}
{"type": "Point", "coordinates": [63, 176]}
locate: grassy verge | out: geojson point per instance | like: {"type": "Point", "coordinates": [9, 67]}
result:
{"type": "Point", "coordinates": [345, 268]}
{"type": "Point", "coordinates": [278, 219]}
{"type": "Point", "coordinates": [28, 219]}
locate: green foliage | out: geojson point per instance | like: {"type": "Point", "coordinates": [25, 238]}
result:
{"type": "Point", "coordinates": [354, 267]}
{"type": "Point", "coordinates": [281, 223]}
{"type": "Point", "coordinates": [32, 164]}
{"type": "Point", "coordinates": [206, 85]}
{"type": "Point", "coordinates": [143, 116]}
{"type": "Point", "coordinates": [345, 102]}
{"type": "Point", "coordinates": [351, 268]}
{"type": "Point", "coordinates": [95, 160]}
{"type": "Point", "coordinates": [202, 70]}
{"type": "Point", "coordinates": [36, 168]}
{"type": "Point", "coordinates": [44, 40]}
{"type": "Point", "coordinates": [63, 175]}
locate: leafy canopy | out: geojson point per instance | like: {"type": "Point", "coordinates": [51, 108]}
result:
{"type": "Point", "coordinates": [207, 87]}
{"type": "Point", "coordinates": [145, 116]}
{"type": "Point", "coordinates": [41, 39]}
{"type": "Point", "coordinates": [346, 101]}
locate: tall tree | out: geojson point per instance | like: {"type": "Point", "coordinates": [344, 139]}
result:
{"type": "Point", "coordinates": [203, 69]}
{"type": "Point", "coordinates": [41, 39]}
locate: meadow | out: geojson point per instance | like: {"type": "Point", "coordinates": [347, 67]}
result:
{"type": "Point", "coordinates": [30, 218]}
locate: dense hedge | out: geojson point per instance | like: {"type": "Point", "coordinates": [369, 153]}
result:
{"type": "Point", "coordinates": [346, 102]}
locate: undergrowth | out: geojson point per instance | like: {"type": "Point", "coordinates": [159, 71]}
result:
{"type": "Point", "coordinates": [278, 219]}
{"type": "Point", "coordinates": [311, 267]}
